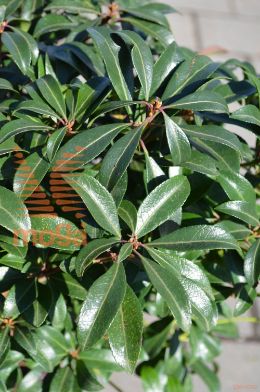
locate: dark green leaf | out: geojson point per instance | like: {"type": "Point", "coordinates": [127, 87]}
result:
{"type": "Point", "coordinates": [51, 92]}
{"type": "Point", "coordinates": [128, 213]}
{"type": "Point", "coordinates": [249, 114]}
{"type": "Point", "coordinates": [213, 133]}
{"type": "Point", "coordinates": [201, 163]}
{"type": "Point", "coordinates": [171, 289]}
{"type": "Point", "coordinates": [196, 238]}
{"type": "Point", "coordinates": [202, 101]}
{"type": "Point", "coordinates": [178, 142]}
{"type": "Point", "coordinates": [55, 232]}
{"type": "Point", "coordinates": [98, 201]}
{"type": "Point", "coordinates": [125, 332]}
{"type": "Point", "coordinates": [142, 59]}
{"type": "Point", "coordinates": [242, 210]}
{"type": "Point", "coordinates": [109, 52]}
{"type": "Point", "coordinates": [14, 215]}
{"type": "Point", "coordinates": [252, 263]}
{"type": "Point", "coordinates": [16, 127]}
{"type": "Point", "coordinates": [88, 254]}
{"type": "Point", "coordinates": [101, 305]}
{"type": "Point", "coordinates": [85, 146]}
{"type": "Point", "coordinates": [159, 205]}
{"type": "Point", "coordinates": [63, 380]}
{"type": "Point", "coordinates": [118, 158]}
{"type": "Point", "coordinates": [19, 50]}
{"type": "Point", "coordinates": [168, 60]}
{"type": "Point", "coordinates": [49, 23]}
{"type": "Point", "coordinates": [26, 181]}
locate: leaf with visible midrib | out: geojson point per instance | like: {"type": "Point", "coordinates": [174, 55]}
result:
{"type": "Point", "coordinates": [109, 52]}
{"type": "Point", "coordinates": [101, 305]}
{"type": "Point", "coordinates": [252, 263]}
{"type": "Point", "coordinates": [159, 205]}
{"type": "Point", "coordinates": [242, 210]}
{"type": "Point", "coordinates": [142, 59]}
{"type": "Point", "coordinates": [91, 251]}
{"type": "Point", "coordinates": [98, 200]}
{"type": "Point", "coordinates": [170, 287]}
{"type": "Point", "coordinates": [85, 146]}
{"type": "Point", "coordinates": [178, 142]}
{"type": "Point", "coordinates": [125, 332]}
{"type": "Point", "coordinates": [198, 237]}
{"type": "Point", "coordinates": [26, 181]}
{"type": "Point", "coordinates": [202, 101]}
{"type": "Point", "coordinates": [14, 215]}
{"type": "Point", "coordinates": [118, 158]}
{"type": "Point", "coordinates": [51, 91]}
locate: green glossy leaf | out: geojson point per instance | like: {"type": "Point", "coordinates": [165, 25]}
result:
{"type": "Point", "coordinates": [51, 92]}
{"type": "Point", "coordinates": [201, 163]}
{"type": "Point", "coordinates": [85, 146]}
{"type": "Point", "coordinates": [55, 232]}
{"type": "Point", "coordinates": [207, 375]}
{"type": "Point", "coordinates": [69, 286]}
{"type": "Point", "coordinates": [99, 358]}
{"type": "Point", "coordinates": [29, 175]}
{"type": "Point", "coordinates": [142, 59]}
{"type": "Point", "coordinates": [77, 6]}
{"type": "Point", "coordinates": [63, 380]}
{"type": "Point", "coordinates": [4, 343]}
{"type": "Point", "coordinates": [58, 311]}
{"type": "Point", "coordinates": [19, 298]}
{"type": "Point", "coordinates": [89, 253]}
{"type": "Point", "coordinates": [213, 133]}
{"type": "Point", "coordinates": [125, 332]}
{"type": "Point", "coordinates": [196, 285]}
{"type": "Point", "coordinates": [24, 337]}
{"type": "Point", "coordinates": [50, 23]}
{"type": "Point", "coordinates": [98, 201]}
{"type": "Point", "coordinates": [198, 237]}
{"type": "Point", "coordinates": [125, 252]}
{"type": "Point", "coordinates": [159, 205]}
{"type": "Point", "coordinates": [31, 382]}
{"type": "Point", "coordinates": [32, 44]}
{"type": "Point", "coordinates": [128, 213]}
{"type": "Point", "coordinates": [178, 142]}
{"type": "Point", "coordinates": [245, 300]}
{"type": "Point", "coordinates": [147, 12]}
{"type": "Point", "coordinates": [53, 338]}
{"type": "Point", "coordinates": [237, 230]}
{"type": "Point", "coordinates": [16, 127]}
{"type": "Point", "coordinates": [6, 85]}
{"type": "Point", "coordinates": [86, 381]}
{"type": "Point", "coordinates": [227, 158]}
{"type": "Point", "coordinates": [160, 33]}
{"type": "Point", "coordinates": [118, 158]}
{"type": "Point", "coordinates": [171, 289]}
{"type": "Point", "coordinates": [101, 305]}
{"type": "Point", "coordinates": [14, 215]}
{"type": "Point", "coordinates": [168, 60]}
{"type": "Point", "coordinates": [191, 72]}
{"type": "Point", "coordinates": [110, 52]}
{"type": "Point", "coordinates": [236, 186]}
{"type": "Point", "coordinates": [12, 260]}
{"type": "Point", "coordinates": [37, 105]}
{"type": "Point", "coordinates": [242, 210]}
{"type": "Point", "coordinates": [252, 263]}
{"type": "Point", "coordinates": [202, 101]}
{"type": "Point", "coordinates": [187, 269]}
{"type": "Point", "coordinates": [54, 142]}
{"type": "Point", "coordinates": [249, 114]}
{"type": "Point", "coordinates": [19, 50]}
